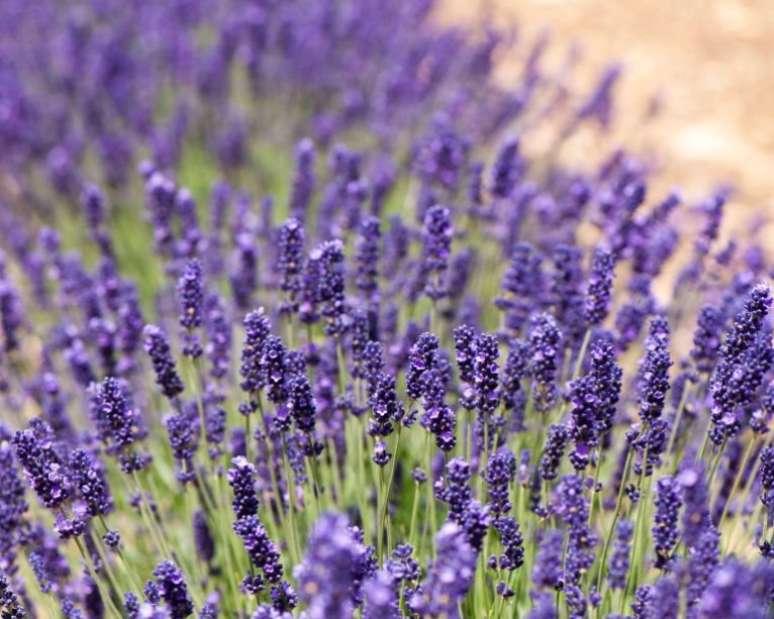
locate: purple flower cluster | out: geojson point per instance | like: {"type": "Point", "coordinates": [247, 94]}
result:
{"type": "Point", "coordinates": [331, 573]}
{"type": "Point", "coordinates": [544, 340]}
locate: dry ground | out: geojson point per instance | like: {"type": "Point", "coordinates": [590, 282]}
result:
{"type": "Point", "coordinates": [712, 63]}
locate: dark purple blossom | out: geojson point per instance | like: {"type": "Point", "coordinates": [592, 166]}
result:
{"type": "Point", "coordinates": [380, 597]}
{"type": "Point", "coordinates": [523, 283]}
{"type": "Point", "coordinates": [367, 259]}
{"type": "Point", "coordinates": [499, 475]}
{"type": "Point", "coordinates": [241, 478]}
{"type": "Point", "coordinates": [544, 341]}
{"type": "Point", "coordinates": [303, 181]}
{"type": "Point", "coordinates": [437, 238]}
{"type": "Point", "coordinates": [727, 392]}
{"type": "Point", "coordinates": [566, 290]}
{"type": "Point", "coordinates": [665, 534]}
{"type": "Point", "coordinates": [43, 463]}
{"type": "Point", "coordinates": [449, 576]}
{"type": "Point", "coordinates": [703, 559]}
{"type": "Point", "coordinates": [515, 371]}
{"type": "Point", "coordinates": [244, 269]}
{"type": "Point", "coordinates": [117, 422]}
{"type": "Point", "coordinates": [738, 591]}
{"type": "Point", "coordinates": [439, 418]}
{"type": "Point", "coordinates": [486, 374]}
{"type": "Point", "coordinates": [556, 443]}
{"type": "Point", "coordinates": [257, 330]}
{"type": "Point", "coordinates": [706, 338]}
{"type": "Point", "coordinates": [327, 575]}
{"type": "Point", "coordinates": [173, 590]}
{"type": "Point", "coordinates": [218, 328]}
{"type": "Point", "coordinates": [507, 170]}
{"type": "Point", "coordinates": [456, 492]}
{"type": "Point", "coordinates": [274, 369]}
{"type": "Point", "coordinates": [599, 288]}
{"type": "Point", "coordinates": [618, 571]}
{"type": "Point", "coordinates": [547, 571]}
{"type": "Point", "coordinates": [512, 556]}
{"type": "Point", "coordinates": [422, 357]}
{"type": "Point", "coordinates": [263, 553]}
{"type": "Point", "coordinates": [205, 545]}
{"type": "Point", "coordinates": [290, 261]}
{"type": "Point", "coordinates": [654, 371]}
{"type": "Point", "coordinates": [90, 483]}
{"type": "Point", "coordinates": [331, 284]}
{"type": "Point", "coordinates": [11, 315]}
{"type": "Point", "coordinates": [157, 347]}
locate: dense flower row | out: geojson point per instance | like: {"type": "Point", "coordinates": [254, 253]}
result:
{"type": "Point", "coordinates": [271, 375]}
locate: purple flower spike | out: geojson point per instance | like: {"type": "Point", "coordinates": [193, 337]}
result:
{"type": "Point", "coordinates": [619, 561]}
{"type": "Point", "coordinates": [523, 283]}
{"type": "Point", "coordinates": [11, 315]}
{"type": "Point", "coordinates": [449, 576]}
{"type": "Point", "coordinates": [738, 591]}
{"type": "Point", "coordinates": [437, 238]}
{"type": "Point", "coordinates": [556, 443]}
{"type": "Point", "coordinates": [257, 330]}
{"type": "Point", "coordinates": [262, 551]}
{"type": "Point", "coordinates": [654, 371]}
{"type": "Point", "coordinates": [547, 572]}
{"type": "Point", "coordinates": [290, 262]}
{"type": "Point", "coordinates": [668, 503]}
{"type": "Point", "coordinates": [331, 292]}
{"type": "Point", "coordinates": [499, 475]}
{"type": "Point", "coordinates": [599, 288]}
{"type": "Point", "coordinates": [706, 339]}
{"type": "Point", "coordinates": [173, 590]}
{"type": "Point", "coordinates": [507, 170]}
{"type": "Point", "coordinates": [422, 357]}
{"type": "Point", "coordinates": [117, 422]}
{"type": "Point", "coordinates": [728, 386]}
{"type": "Point", "coordinates": [381, 600]}
{"type": "Point", "coordinates": [544, 341]}
{"type": "Point", "coordinates": [191, 297]}
{"type": "Point", "coordinates": [328, 574]}
{"type": "Point", "coordinates": [695, 494]}
{"type": "Point", "coordinates": [303, 181]}
{"type": "Point", "coordinates": [90, 483]}
{"type": "Point", "coordinates": [274, 368]}
{"type": "Point", "coordinates": [158, 350]}
{"type": "Point", "coordinates": [241, 478]}
{"type": "Point", "coordinates": [486, 374]}
{"type": "Point", "coordinates": [10, 605]}
{"type": "Point", "coordinates": [367, 259]}
{"type": "Point", "coordinates": [43, 465]}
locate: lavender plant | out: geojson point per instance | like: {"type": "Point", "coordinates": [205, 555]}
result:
{"type": "Point", "coordinates": [277, 341]}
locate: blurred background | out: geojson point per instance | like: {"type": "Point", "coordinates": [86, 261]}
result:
{"type": "Point", "coordinates": [707, 65]}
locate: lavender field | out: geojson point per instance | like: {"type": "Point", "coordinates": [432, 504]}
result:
{"type": "Point", "coordinates": [305, 312]}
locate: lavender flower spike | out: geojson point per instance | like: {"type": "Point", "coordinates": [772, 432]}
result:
{"type": "Point", "coordinates": [158, 350]}
{"type": "Point", "coordinates": [599, 288]}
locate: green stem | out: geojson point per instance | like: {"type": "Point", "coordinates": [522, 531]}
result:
{"type": "Point", "coordinates": [430, 497]}
{"type": "Point", "coordinates": [291, 504]}
{"type": "Point", "coordinates": [93, 574]}
{"type": "Point", "coordinates": [737, 478]}
{"type": "Point", "coordinates": [414, 511]}
{"type": "Point", "coordinates": [594, 487]}
{"type": "Point", "coordinates": [386, 497]}
{"type": "Point", "coordinates": [678, 417]}
{"type": "Point", "coordinates": [616, 515]}
{"type": "Point", "coordinates": [147, 516]}
{"type": "Point", "coordinates": [581, 354]}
